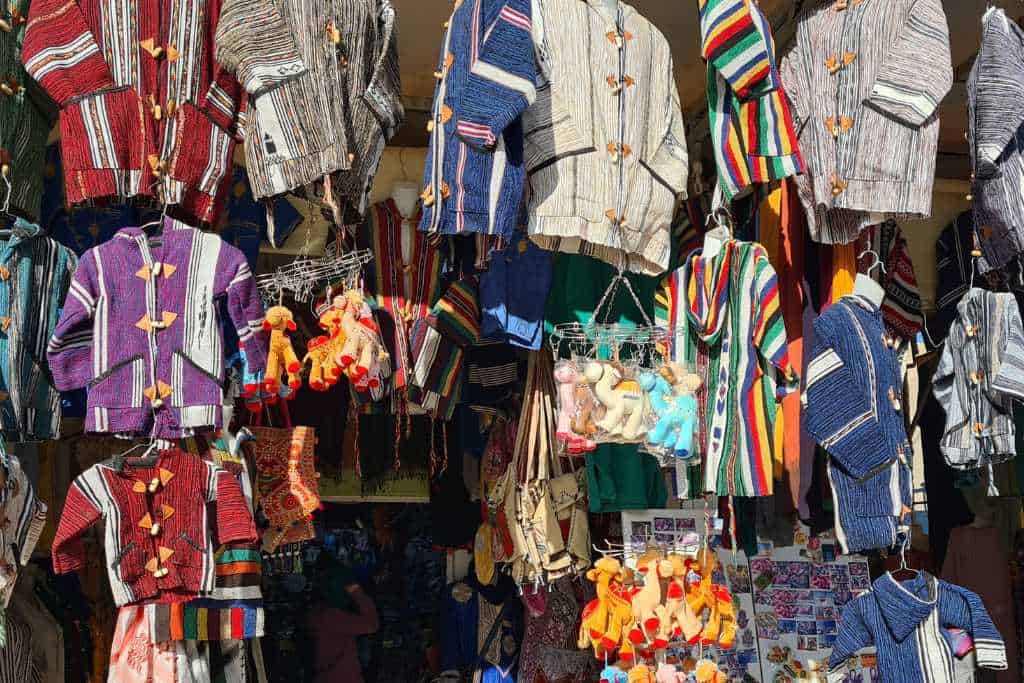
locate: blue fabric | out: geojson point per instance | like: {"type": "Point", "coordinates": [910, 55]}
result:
{"type": "Point", "coordinates": [513, 293]}
{"type": "Point", "coordinates": [458, 631]}
{"type": "Point", "coordinates": [904, 622]}
{"type": "Point", "coordinates": [474, 170]}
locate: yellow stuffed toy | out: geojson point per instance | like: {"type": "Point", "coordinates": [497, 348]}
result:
{"type": "Point", "coordinates": [281, 358]}
{"type": "Point", "coordinates": [715, 599]}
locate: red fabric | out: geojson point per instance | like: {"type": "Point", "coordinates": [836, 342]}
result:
{"type": "Point", "coordinates": [334, 631]}
{"type": "Point", "coordinates": [116, 496]}
{"type": "Point", "coordinates": [109, 134]}
{"type": "Point", "coordinates": [790, 271]}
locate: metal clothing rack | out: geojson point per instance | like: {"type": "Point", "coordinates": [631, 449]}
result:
{"type": "Point", "coordinates": [305, 277]}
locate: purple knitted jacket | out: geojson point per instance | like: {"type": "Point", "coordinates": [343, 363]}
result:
{"type": "Point", "coordinates": [140, 329]}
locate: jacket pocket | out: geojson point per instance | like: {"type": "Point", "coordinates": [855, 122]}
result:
{"type": "Point", "coordinates": [203, 150]}
{"type": "Point", "coordinates": [187, 551]}
{"type": "Point", "coordinates": [121, 385]}
{"type": "Point", "coordinates": [106, 129]}
{"type": "Point", "coordinates": [130, 563]}
{"type": "Point", "coordinates": [878, 493]}
{"type": "Point", "coordinates": [199, 386]}
{"type": "Point", "coordinates": [875, 130]}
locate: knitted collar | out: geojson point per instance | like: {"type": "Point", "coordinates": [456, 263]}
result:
{"type": "Point", "coordinates": [21, 232]}
{"type": "Point", "coordinates": [904, 605]}
{"type": "Point", "coordinates": [706, 282]}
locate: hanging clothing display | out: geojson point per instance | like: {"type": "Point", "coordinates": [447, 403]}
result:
{"type": "Point", "coordinates": [140, 329]}
{"type": "Point", "coordinates": [486, 78]}
{"type": "Point", "coordinates": [23, 518]}
{"type": "Point", "coordinates": [995, 116]}
{"type": "Point", "coordinates": [729, 328]}
{"type": "Point", "coordinates": [36, 274]}
{"type": "Point", "coordinates": [980, 375]}
{"type": "Point", "coordinates": [903, 621]}
{"type": "Point", "coordinates": [136, 658]}
{"type": "Point", "coordinates": [27, 115]}
{"type": "Point", "coordinates": [901, 307]}
{"type": "Point", "coordinates": [513, 292]}
{"type": "Point", "coordinates": [953, 266]}
{"type": "Point", "coordinates": [605, 145]}
{"type": "Point", "coordinates": [144, 108]}
{"type": "Point", "coordinates": [866, 76]}
{"type": "Point", "coordinates": [170, 495]}
{"type": "Point", "coordinates": [853, 408]}
{"type": "Point", "coordinates": [750, 119]}
{"type": "Point", "coordinates": [404, 280]}
{"type": "Point", "coordinates": [333, 115]}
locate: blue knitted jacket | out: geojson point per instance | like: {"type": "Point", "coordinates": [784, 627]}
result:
{"type": "Point", "coordinates": [852, 406]}
{"type": "Point", "coordinates": [903, 621]}
{"type": "Point", "coordinates": [486, 78]}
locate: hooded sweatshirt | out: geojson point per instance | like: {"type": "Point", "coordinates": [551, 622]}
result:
{"type": "Point", "coordinates": [904, 622]}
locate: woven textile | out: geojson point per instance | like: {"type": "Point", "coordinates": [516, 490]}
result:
{"type": "Point", "coordinates": [287, 484]}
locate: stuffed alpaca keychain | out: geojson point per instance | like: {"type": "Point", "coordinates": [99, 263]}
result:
{"type": "Point", "coordinates": [281, 358]}
{"type": "Point", "coordinates": [322, 351]}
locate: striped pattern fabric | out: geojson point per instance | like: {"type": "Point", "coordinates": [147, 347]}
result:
{"type": "Point", "coordinates": [979, 378]}
{"type": "Point", "coordinates": [852, 407]}
{"type": "Point", "coordinates": [901, 308]}
{"type": "Point", "coordinates": [26, 118]}
{"type": "Point", "coordinates": [337, 112]}
{"type": "Point", "coordinates": [404, 286]}
{"type": "Point", "coordinates": [750, 121]}
{"type": "Point", "coordinates": [995, 105]}
{"type": "Point", "coordinates": [23, 519]}
{"type": "Point", "coordinates": [473, 179]}
{"type": "Point", "coordinates": [35, 274]}
{"type": "Point", "coordinates": [183, 546]}
{"type": "Point", "coordinates": [904, 622]}
{"type": "Point", "coordinates": [109, 63]}
{"type": "Point", "coordinates": [605, 144]}
{"type": "Point", "coordinates": [866, 76]}
{"type": "Point", "coordinates": [729, 329]}
{"type": "Point", "coordinates": [146, 340]}
{"type": "Point", "coordinates": [439, 347]}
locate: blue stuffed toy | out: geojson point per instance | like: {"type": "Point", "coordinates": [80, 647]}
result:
{"type": "Point", "coordinates": [675, 405]}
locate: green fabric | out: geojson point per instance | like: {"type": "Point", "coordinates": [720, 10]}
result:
{"type": "Point", "coordinates": [619, 478]}
{"type": "Point", "coordinates": [333, 583]}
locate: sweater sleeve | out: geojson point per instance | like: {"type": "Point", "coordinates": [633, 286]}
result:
{"type": "Point", "coordinates": [1009, 377]}
{"type": "Point", "coordinates": [384, 91]}
{"type": "Point", "coordinates": [733, 45]}
{"type": "Point", "coordinates": [670, 162]}
{"type": "Point", "coordinates": [917, 71]}
{"type": "Point", "coordinates": [61, 52]}
{"type": "Point", "coordinates": [234, 521]}
{"type": "Point", "coordinates": [853, 636]}
{"type": "Point", "coordinates": [837, 413]}
{"type": "Point", "coordinates": [961, 608]}
{"type": "Point", "coordinates": [502, 81]}
{"type": "Point", "coordinates": [769, 328]}
{"type": "Point", "coordinates": [80, 513]}
{"type": "Point", "coordinates": [254, 44]}
{"type": "Point", "coordinates": [245, 308]}
{"type": "Point", "coordinates": [69, 351]}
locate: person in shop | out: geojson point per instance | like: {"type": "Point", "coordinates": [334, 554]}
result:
{"type": "Point", "coordinates": [342, 612]}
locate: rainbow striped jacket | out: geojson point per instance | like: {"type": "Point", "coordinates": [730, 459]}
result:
{"type": "Point", "coordinates": [750, 119]}
{"type": "Point", "coordinates": [486, 78]}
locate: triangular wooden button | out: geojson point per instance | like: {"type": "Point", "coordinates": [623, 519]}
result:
{"type": "Point", "coordinates": [165, 476]}
{"type": "Point", "coordinates": [166, 511]}
{"type": "Point", "coordinates": [152, 565]}
{"type": "Point", "coordinates": [165, 554]}
{"type": "Point", "coordinates": [139, 487]}
{"type": "Point", "coordinates": [146, 522]}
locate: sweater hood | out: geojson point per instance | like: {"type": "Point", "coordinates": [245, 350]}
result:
{"type": "Point", "coordinates": [904, 605]}
{"type": "Point", "coordinates": [707, 284]}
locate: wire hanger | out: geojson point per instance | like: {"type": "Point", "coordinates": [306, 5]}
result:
{"type": "Point", "coordinates": [877, 264]}
{"type": "Point", "coordinates": [5, 172]}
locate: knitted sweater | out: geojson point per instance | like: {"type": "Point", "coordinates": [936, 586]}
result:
{"type": "Point", "coordinates": [145, 109]}
{"type": "Point", "coordinates": [140, 328]}
{"type": "Point", "coordinates": [474, 171]}
{"type": "Point", "coordinates": [173, 563]}
{"type": "Point", "coordinates": [852, 407]}
{"type": "Point", "coordinates": [903, 621]}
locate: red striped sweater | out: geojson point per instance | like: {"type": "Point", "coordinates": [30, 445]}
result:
{"type": "Point", "coordinates": [145, 107]}
{"type": "Point", "coordinates": [174, 563]}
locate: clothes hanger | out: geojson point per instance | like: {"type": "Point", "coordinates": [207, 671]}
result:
{"type": "Point", "coordinates": [722, 230]}
{"type": "Point", "coordinates": [903, 563]}
{"type": "Point", "coordinates": [864, 286]}
{"type": "Point", "coordinates": [6, 231]}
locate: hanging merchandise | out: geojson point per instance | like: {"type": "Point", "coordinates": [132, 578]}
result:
{"type": "Point", "coordinates": [612, 198]}
{"type": "Point", "coordinates": [956, 270]}
{"type": "Point", "coordinates": [36, 272]}
{"type": "Point", "coordinates": [995, 134]}
{"type": "Point", "coordinates": [23, 518]}
{"type": "Point", "coordinates": [141, 329]}
{"type": "Point", "coordinates": [902, 620]}
{"type": "Point", "coordinates": [979, 379]}
{"type": "Point", "coordinates": [853, 408]}
{"type": "Point", "coordinates": [282, 363]}
{"type": "Point", "coordinates": [171, 557]}
{"type": "Point", "coordinates": [332, 109]}
{"type": "Point", "coordinates": [513, 292]}
{"type": "Point", "coordinates": [473, 181]}
{"type": "Point", "coordinates": [287, 483]}
{"type": "Point", "coordinates": [724, 308]}
{"type": "Point", "coordinates": [362, 357]}
{"type": "Point", "coordinates": [866, 76]}
{"type": "Point", "coordinates": [750, 119]}
{"type": "Point", "coordinates": [403, 280]}
{"type": "Point", "coordinates": [901, 308]}
{"type": "Point", "coordinates": [149, 114]}
{"type": "Point", "coordinates": [672, 393]}
{"type": "Point", "coordinates": [27, 115]}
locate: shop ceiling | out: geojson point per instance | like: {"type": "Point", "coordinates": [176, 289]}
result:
{"type": "Point", "coordinates": [420, 35]}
